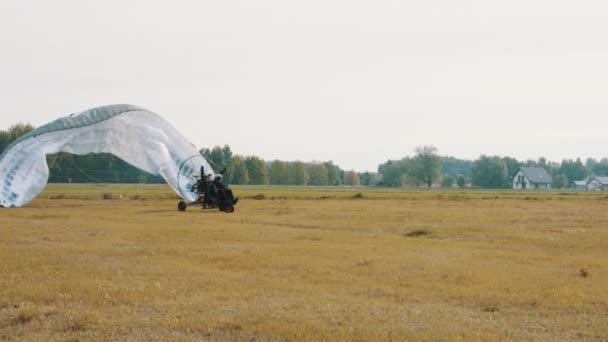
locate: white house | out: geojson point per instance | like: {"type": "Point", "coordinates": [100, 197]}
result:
{"type": "Point", "coordinates": [532, 178]}
{"type": "Point", "coordinates": [597, 183]}
{"type": "Point", "coordinates": [579, 185]}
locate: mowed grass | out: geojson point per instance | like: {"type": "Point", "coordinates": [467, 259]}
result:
{"type": "Point", "coordinates": [120, 262]}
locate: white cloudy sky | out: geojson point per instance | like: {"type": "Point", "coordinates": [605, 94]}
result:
{"type": "Point", "coordinates": [356, 82]}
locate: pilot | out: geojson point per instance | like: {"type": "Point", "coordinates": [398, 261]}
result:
{"type": "Point", "coordinates": [202, 185]}
{"type": "Point", "coordinates": [222, 190]}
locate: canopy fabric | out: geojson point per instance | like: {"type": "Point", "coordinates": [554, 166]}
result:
{"type": "Point", "coordinates": [133, 134]}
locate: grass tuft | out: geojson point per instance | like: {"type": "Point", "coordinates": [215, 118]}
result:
{"type": "Point", "coordinates": [584, 272]}
{"type": "Point", "coordinates": [366, 261]}
{"type": "Point", "coordinates": [358, 195]}
{"type": "Point", "coordinates": [23, 317]}
{"type": "Point", "coordinates": [491, 308]}
{"type": "Point", "coordinates": [418, 232]}
{"type": "Point", "coordinates": [107, 196]}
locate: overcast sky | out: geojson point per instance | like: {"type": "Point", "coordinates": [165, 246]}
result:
{"type": "Point", "coordinates": [356, 82]}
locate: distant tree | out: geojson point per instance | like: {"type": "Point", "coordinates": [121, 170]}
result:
{"type": "Point", "coordinates": [317, 173]}
{"type": "Point", "coordinates": [333, 173]}
{"type": "Point", "coordinates": [410, 180]}
{"type": "Point", "coordinates": [298, 174]}
{"type": "Point", "coordinates": [600, 168]}
{"type": "Point", "coordinates": [560, 181]}
{"type": "Point", "coordinates": [393, 172]}
{"type": "Point", "coordinates": [257, 171]}
{"type": "Point", "coordinates": [573, 169]}
{"type": "Point", "coordinates": [13, 133]}
{"type": "Point", "coordinates": [426, 165]}
{"type": "Point", "coordinates": [211, 157]}
{"type": "Point", "coordinates": [461, 181]}
{"type": "Point", "coordinates": [17, 130]}
{"type": "Point", "coordinates": [489, 172]}
{"type": "Point", "coordinates": [351, 178]}
{"type": "Point", "coordinates": [278, 173]}
{"type": "Point", "coordinates": [590, 163]}
{"type": "Point", "coordinates": [237, 173]}
{"type": "Point", "coordinates": [227, 155]}
{"type": "Point", "coordinates": [365, 178]}
{"type": "Point", "coordinates": [455, 166]}
{"type": "Point", "coordinates": [5, 140]}
{"type": "Point", "coordinates": [552, 168]}
{"type": "Point", "coordinates": [218, 156]}
{"type": "Point", "coordinates": [447, 182]}
{"type": "Point", "coordinates": [513, 166]}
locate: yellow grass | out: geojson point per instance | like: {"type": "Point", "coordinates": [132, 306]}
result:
{"type": "Point", "coordinates": [305, 264]}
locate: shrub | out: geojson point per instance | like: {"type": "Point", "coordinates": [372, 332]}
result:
{"type": "Point", "coordinates": [107, 196]}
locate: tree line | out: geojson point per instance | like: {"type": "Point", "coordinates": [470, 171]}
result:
{"type": "Point", "coordinates": [426, 168]}
{"type": "Point", "coordinates": [492, 172]}
{"type": "Point", "coordinates": [256, 171]}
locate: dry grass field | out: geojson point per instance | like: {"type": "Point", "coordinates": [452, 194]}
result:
{"type": "Point", "coordinates": [120, 262]}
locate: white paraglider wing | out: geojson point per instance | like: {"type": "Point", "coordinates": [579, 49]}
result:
{"type": "Point", "coordinates": [133, 134]}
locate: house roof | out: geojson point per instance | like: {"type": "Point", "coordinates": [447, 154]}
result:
{"type": "Point", "coordinates": [580, 183]}
{"type": "Point", "coordinates": [602, 179]}
{"type": "Point", "coordinates": [537, 175]}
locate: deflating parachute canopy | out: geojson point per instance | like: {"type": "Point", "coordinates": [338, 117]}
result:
{"type": "Point", "coordinates": [133, 134]}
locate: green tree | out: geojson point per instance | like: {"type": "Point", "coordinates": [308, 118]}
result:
{"type": "Point", "coordinates": [256, 168]}
{"type": "Point", "coordinates": [393, 172]}
{"type": "Point", "coordinates": [298, 174]}
{"type": "Point", "coordinates": [227, 155]}
{"type": "Point", "coordinates": [426, 165]}
{"type": "Point", "coordinates": [447, 182]}
{"type": "Point", "coordinates": [489, 172]}
{"type": "Point", "coordinates": [590, 163]}
{"type": "Point", "coordinates": [278, 173]}
{"type": "Point", "coordinates": [573, 169]}
{"type": "Point", "coordinates": [219, 157]}
{"type": "Point", "coordinates": [513, 166]}
{"type": "Point", "coordinates": [351, 178]}
{"type": "Point", "coordinates": [317, 173]}
{"type": "Point", "coordinates": [365, 178]}
{"type": "Point", "coordinates": [13, 133]}
{"type": "Point", "coordinates": [560, 181]}
{"type": "Point", "coordinates": [17, 130]}
{"type": "Point", "coordinates": [455, 166]}
{"type": "Point", "coordinates": [600, 168]}
{"type": "Point", "coordinates": [461, 181]}
{"type": "Point", "coordinates": [333, 173]}
{"type": "Point", "coordinates": [238, 174]}
{"type": "Point", "coordinates": [5, 140]}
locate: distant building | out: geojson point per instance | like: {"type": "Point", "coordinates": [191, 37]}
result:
{"type": "Point", "coordinates": [532, 178]}
{"type": "Point", "coordinates": [597, 183]}
{"type": "Point", "coordinates": [579, 185]}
